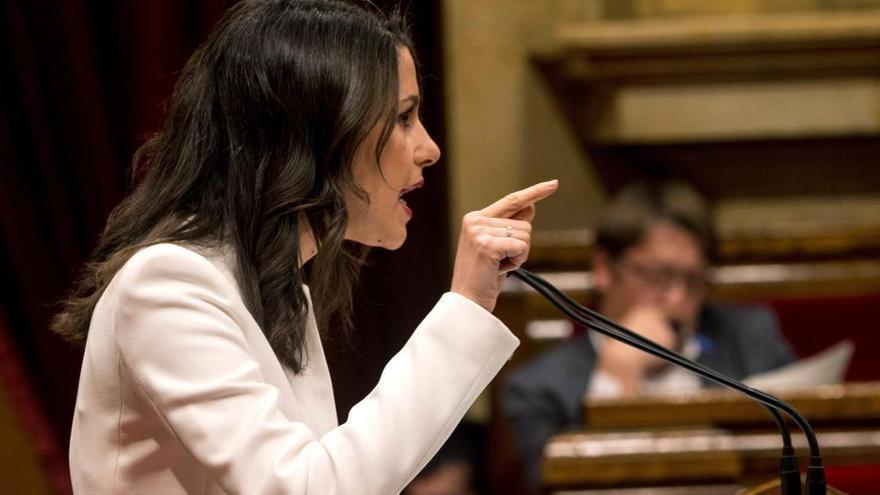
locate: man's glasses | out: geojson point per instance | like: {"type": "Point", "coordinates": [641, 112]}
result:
{"type": "Point", "coordinates": [663, 278]}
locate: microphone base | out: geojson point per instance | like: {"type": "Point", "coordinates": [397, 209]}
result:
{"type": "Point", "coordinates": [789, 472]}
{"type": "Point", "coordinates": [816, 484]}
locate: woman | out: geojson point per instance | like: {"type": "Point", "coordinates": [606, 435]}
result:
{"type": "Point", "coordinates": [293, 129]}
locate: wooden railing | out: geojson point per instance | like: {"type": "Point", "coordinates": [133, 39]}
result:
{"type": "Point", "coordinates": [717, 441]}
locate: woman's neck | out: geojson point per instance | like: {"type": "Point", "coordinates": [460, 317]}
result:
{"type": "Point", "coordinates": [308, 248]}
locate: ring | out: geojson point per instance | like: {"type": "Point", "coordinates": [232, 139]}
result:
{"type": "Point", "coordinates": [509, 230]}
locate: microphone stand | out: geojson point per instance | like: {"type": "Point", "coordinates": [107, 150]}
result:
{"type": "Point", "coordinates": [789, 470]}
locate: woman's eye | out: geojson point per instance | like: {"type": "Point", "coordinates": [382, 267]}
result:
{"type": "Point", "coordinates": [405, 117]}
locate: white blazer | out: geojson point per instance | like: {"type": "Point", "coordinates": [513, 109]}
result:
{"type": "Point", "coordinates": [180, 393]}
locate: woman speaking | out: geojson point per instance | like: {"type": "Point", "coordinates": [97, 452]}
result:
{"type": "Point", "coordinates": [291, 141]}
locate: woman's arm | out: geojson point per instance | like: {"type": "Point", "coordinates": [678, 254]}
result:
{"type": "Point", "coordinates": [179, 336]}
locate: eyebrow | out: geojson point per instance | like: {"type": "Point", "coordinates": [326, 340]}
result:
{"type": "Point", "coordinates": [413, 98]}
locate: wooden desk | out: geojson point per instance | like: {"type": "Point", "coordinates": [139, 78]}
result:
{"type": "Point", "coordinates": [839, 405]}
{"type": "Point", "coordinates": [714, 441]}
{"type": "Point", "coordinates": [689, 456]}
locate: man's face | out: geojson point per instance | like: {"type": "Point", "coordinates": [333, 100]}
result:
{"type": "Point", "coordinates": [667, 271]}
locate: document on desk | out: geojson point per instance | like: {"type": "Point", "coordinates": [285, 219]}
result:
{"type": "Point", "coordinates": [825, 368]}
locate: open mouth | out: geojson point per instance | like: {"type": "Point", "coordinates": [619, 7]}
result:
{"type": "Point", "coordinates": [408, 190]}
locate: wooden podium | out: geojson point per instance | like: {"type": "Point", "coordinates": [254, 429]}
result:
{"type": "Point", "coordinates": [772, 488]}
{"type": "Point", "coordinates": [710, 442]}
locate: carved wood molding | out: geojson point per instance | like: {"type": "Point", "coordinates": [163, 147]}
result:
{"type": "Point", "coordinates": [765, 45]}
{"type": "Point", "coordinates": [692, 456]}
{"type": "Point", "coordinates": [842, 234]}
{"type": "Point", "coordinates": [853, 404]}
{"type": "Point", "coordinates": [721, 101]}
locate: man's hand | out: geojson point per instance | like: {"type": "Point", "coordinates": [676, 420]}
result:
{"type": "Point", "coordinates": [628, 364]}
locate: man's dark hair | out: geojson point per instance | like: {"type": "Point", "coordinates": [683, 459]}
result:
{"type": "Point", "coordinates": [639, 206]}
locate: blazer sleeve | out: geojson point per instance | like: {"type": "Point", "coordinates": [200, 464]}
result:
{"type": "Point", "coordinates": [179, 340]}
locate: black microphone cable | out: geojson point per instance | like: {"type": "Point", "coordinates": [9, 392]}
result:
{"type": "Point", "coordinates": [790, 473]}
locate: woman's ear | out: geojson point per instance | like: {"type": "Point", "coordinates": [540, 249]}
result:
{"type": "Point", "coordinates": [602, 269]}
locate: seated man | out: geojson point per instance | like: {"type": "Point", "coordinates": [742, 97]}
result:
{"type": "Point", "coordinates": [650, 265]}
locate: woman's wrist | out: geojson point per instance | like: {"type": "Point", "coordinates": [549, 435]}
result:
{"type": "Point", "coordinates": [487, 303]}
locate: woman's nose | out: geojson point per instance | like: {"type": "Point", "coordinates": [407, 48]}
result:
{"type": "Point", "coordinates": [428, 153]}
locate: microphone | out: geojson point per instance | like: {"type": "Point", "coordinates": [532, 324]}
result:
{"type": "Point", "coordinates": [789, 470]}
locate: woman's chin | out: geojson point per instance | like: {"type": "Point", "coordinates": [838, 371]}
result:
{"type": "Point", "coordinates": [389, 242]}
{"type": "Point", "coordinates": [396, 243]}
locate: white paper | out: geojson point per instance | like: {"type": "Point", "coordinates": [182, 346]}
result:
{"type": "Point", "coordinates": [825, 368]}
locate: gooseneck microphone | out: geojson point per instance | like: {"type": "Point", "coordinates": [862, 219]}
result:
{"type": "Point", "coordinates": [789, 470]}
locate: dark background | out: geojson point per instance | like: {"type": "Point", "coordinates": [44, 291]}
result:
{"type": "Point", "coordinates": [84, 82]}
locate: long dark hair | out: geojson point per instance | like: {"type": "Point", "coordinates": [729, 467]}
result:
{"type": "Point", "coordinates": [262, 129]}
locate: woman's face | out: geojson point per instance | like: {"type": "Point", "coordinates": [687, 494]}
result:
{"type": "Point", "coordinates": [381, 222]}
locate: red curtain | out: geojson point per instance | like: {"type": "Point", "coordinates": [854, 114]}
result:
{"type": "Point", "coordinates": [813, 324]}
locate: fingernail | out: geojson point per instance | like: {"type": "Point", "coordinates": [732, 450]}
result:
{"type": "Point", "coordinates": [550, 183]}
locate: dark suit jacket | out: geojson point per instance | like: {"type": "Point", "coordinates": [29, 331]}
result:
{"type": "Point", "coordinates": [544, 397]}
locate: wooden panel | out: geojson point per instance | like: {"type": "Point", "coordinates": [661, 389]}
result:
{"type": "Point", "coordinates": [840, 232]}
{"type": "Point", "coordinates": [519, 304]}
{"type": "Point", "coordinates": [671, 448]}
{"type": "Point", "coordinates": [621, 459]}
{"type": "Point", "coordinates": [773, 488]}
{"type": "Point", "coordinates": [598, 67]}
{"type": "Point", "coordinates": [692, 456]}
{"type": "Point", "coordinates": [756, 33]}
{"type": "Point", "coordinates": [725, 489]}
{"type": "Point", "coordinates": [851, 404]}
{"type": "Point", "coordinates": [742, 106]}
{"type": "Point", "coordinates": [743, 282]}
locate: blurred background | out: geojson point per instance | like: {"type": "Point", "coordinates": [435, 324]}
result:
{"type": "Point", "coordinates": [769, 107]}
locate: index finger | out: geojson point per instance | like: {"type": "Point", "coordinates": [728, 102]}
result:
{"type": "Point", "coordinates": [512, 203]}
